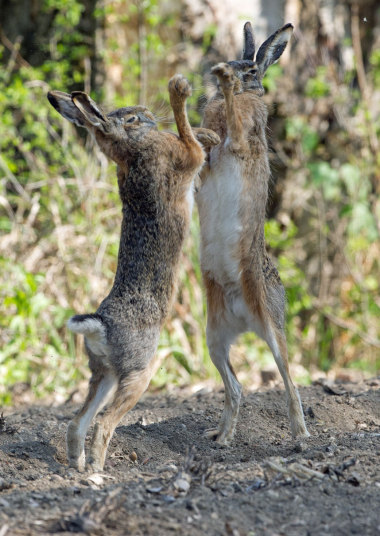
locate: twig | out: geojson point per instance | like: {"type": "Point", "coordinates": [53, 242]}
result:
{"type": "Point", "coordinates": [20, 190]}
{"type": "Point", "coordinates": [296, 469]}
{"type": "Point", "coordinates": [349, 326]}
{"type": "Point", "coordinates": [14, 49]}
{"type": "Point", "coordinates": [142, 53]}
{"type": "Point", "coordinates": [355, 31]}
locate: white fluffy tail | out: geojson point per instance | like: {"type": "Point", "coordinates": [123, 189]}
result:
{"type": "Point", "coordinates": [93, 329]}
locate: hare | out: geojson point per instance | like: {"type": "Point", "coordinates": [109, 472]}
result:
{"type": "Point", "coordinates": [243, 288]}
{"type": "Point", "coordinates": [155, 175]}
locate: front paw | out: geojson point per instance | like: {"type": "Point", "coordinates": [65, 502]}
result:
{"type": "Point", "coordinates": [225, 74]}
{"type": "Point", "coordinates": [206, 137]}
{"type": "Point", "coordinates": [179, 86]}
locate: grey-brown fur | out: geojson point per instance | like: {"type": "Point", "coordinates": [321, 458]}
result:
{"type": "Point", "coordinates": [243, 288]}
{"type": "Point", "coordinates": [155, 175]}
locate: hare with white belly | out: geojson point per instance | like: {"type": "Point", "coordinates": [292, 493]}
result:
{"type": "Point", "coordinates": [155, 175]}
{"type": "Point", "coordinates": [243, 288]}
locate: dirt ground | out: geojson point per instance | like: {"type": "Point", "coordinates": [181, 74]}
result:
{"type": "Point", "coordinates": [163, 477]}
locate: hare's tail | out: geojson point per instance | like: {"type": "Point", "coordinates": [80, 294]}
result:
{"type": "Point", "coordinates": [90, 325]}
{"type": "Point", "coordinates": [93, 329]}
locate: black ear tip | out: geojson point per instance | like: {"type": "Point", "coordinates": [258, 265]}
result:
{"type": "Point", "coordinates": [78, 94]}
{"type": "Point", "coordinates": [81, 95]}
{"type": "Point", "coordinates": [288, 26]}
{"type": "Point", "coordinates": [247, 26]}
{"type": "Point", "coordinates": [52, 99]}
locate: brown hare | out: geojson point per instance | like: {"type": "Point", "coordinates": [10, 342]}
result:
{"type": "Point", "coordinates": [155, 176]}
{"type": "Point", "coordinates": [243, 288]}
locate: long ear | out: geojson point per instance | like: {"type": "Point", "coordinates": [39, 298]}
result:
{"type": "Point", "coordinates": [249, 42]}
{"type": "Point", "coordinates": [78, 108]}
{"type": "Point", "coordinates": [273, 47]}
{"type": "Point", "coordinates": [64, 105]}
{"type": "Point", "coordinates": [89, 110]}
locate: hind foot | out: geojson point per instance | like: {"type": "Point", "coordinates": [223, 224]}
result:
{"type": "Point", "coordinates": [221, 436]}
{"type": "Point", "coordinates": [299, 431]}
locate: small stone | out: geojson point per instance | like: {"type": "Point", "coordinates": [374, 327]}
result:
{"type": "Point", "coordinates": [354, 479]}
{"type": "Point", "coordinates": [168, 498]}
{"type": "Point", "coordinates": [237, 487]}
{"type": "Point", "coordinates": [268, 376]}
{"type": "Point", "coordinates": [300, 446]}
{"type": "Point", "coordinates": [182, 485]}
{"type": "Point", "coordinates": [5, 485]}
{"type": "Point", "coordinates": [154, 489]}
{"type": "Point", "coordinates": [133, 456]}
{"type": "Point", "coordinates": [273, 494]}
{"type": "Point", "coordinates": [256, 484]}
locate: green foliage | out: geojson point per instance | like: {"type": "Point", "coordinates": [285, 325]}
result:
{"type": "Point", "coordinates": [375, 64]}
{"type": "Point", "coordinates": [45, 183]}
{"type": "Point", "coordinates": [28, 353]}
{"type": "Point", "coordinates": [327, 178]}
{"type": "Point", "coordinates": [318, 86]}
{"type": "Point", "coordinates": [340, 172]}
{"type": "Point", "coordinates": [60, 212]}
{"type": "Point", "coordinates": [272, 76]}
{"type": "Point", "coordinates": [298, 130]}
{"type": "Point", "coordinates": [144, 69]}
{"type": "Point", "coordinates": [208, 37]}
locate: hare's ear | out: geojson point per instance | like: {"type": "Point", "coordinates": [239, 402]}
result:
{"type": "Point", "coordinates": [78, 108]}
{"type": "Point", "coordinates": [249, 42]}
{"type": "Point", "coordinates": [273, 47]}
{"type": "Point", "coordinates": [64, 105]}
{"type": "Point", "coordinates": [91, 113]}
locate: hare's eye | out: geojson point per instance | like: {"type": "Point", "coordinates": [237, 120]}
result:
{"type": "Point", "coordinates": [252, 71]}
{"type": "Point", "coordinates": [131, 119]}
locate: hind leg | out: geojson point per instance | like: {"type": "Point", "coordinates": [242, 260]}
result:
{"type": "Point", "coordinates": [276, 340]}
{"type": "Point", "coordinates": [219, 340]}
{"type": "Point", "coordinates": [273, 333]}
{"type": "Point", "coordinates": [101, 388]}
{"type": "Point", "coordinates": [220, 336]}
{"type": "Point", "coordinates": [128, 393]}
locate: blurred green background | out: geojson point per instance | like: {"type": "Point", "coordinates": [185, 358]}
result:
{"type": "Point", "coordinates": [59, 207]}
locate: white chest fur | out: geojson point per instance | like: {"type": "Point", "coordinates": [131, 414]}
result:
{"type": "Point", "coordinates": [218, 203]}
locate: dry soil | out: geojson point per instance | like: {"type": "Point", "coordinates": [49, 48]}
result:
{"type": "Point", "coordinates": [163, 477]}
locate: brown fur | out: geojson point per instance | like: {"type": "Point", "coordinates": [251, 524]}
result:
{"type": "Point", "coordinates": [249, 144]}
{"type": "Point", "coordinates": [155, 174]}
{"type": "Point", "coordinates": [243, 288]}
{"type": "Point", "coordinates": [215, 298]}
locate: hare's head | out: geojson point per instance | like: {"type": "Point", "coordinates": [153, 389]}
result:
{"type": "Point", "coordinates": [249, 71]}
{"type": "Point", "coordinates": [117, 133]}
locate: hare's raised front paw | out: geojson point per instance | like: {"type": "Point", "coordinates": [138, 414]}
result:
{"type": "Point", "coordinates": [206, 137]}
{"type": "Point", "coordinates": [225, 74]}
{"type": "Point", "coordinates": [179, 86]}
